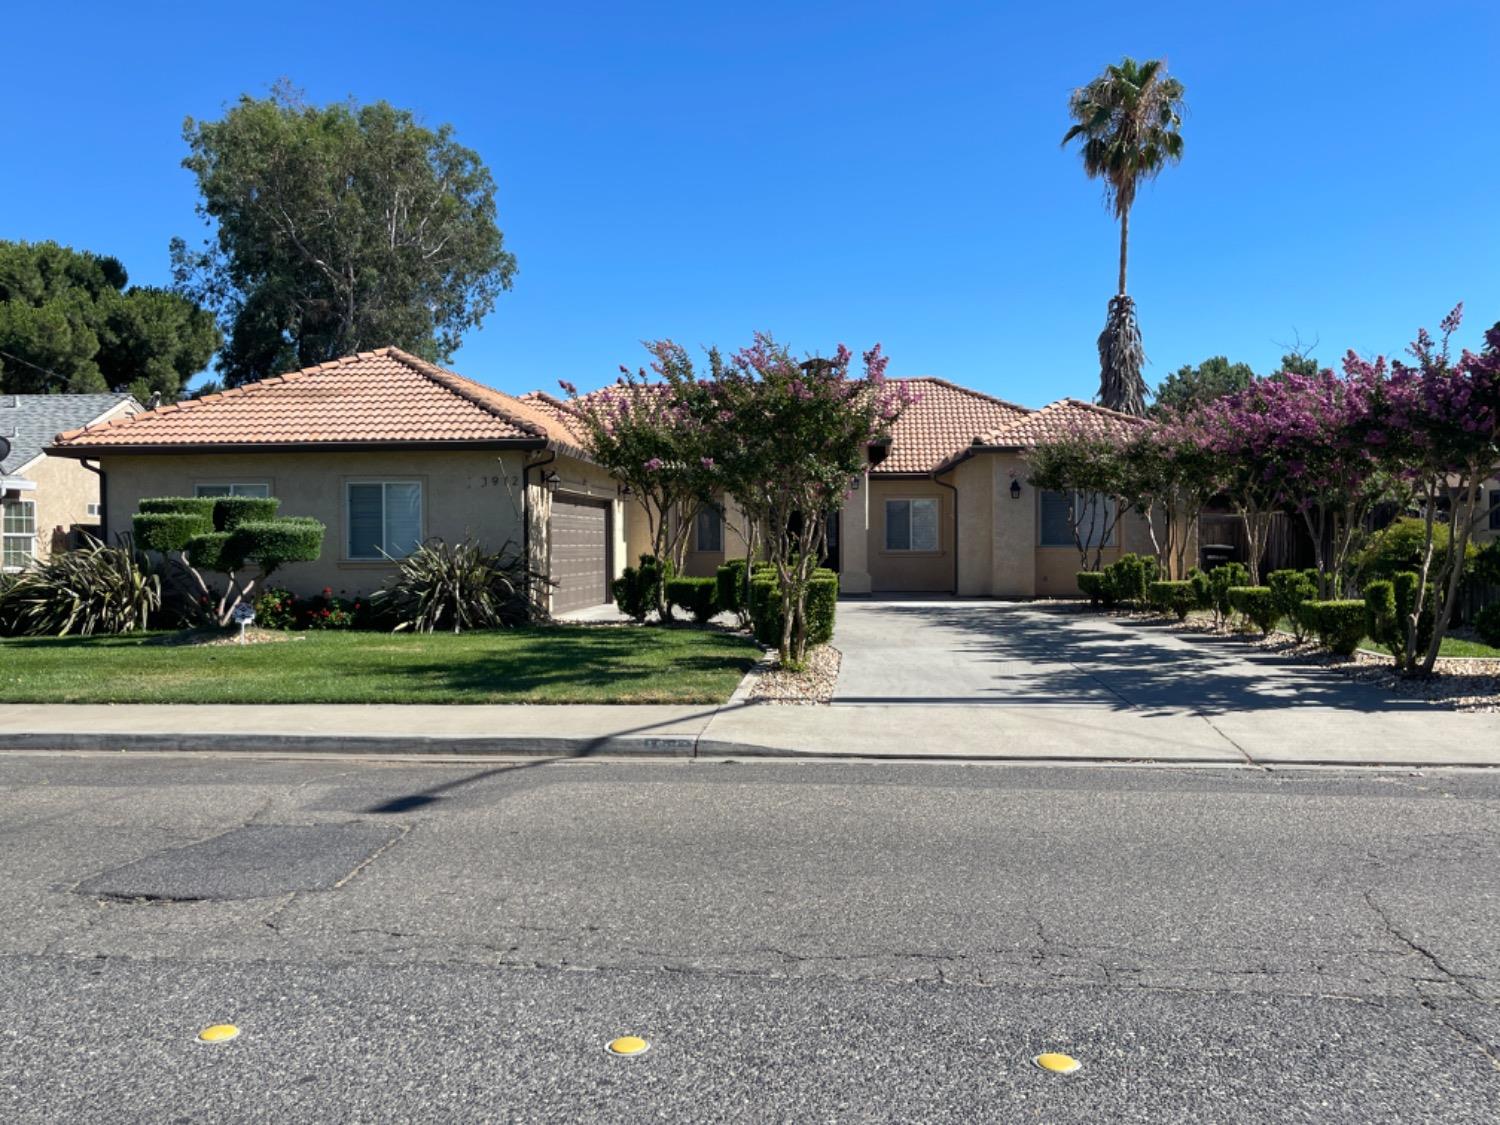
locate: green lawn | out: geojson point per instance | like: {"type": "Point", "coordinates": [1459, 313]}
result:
{"type": "Point", "coordinates": [543, 665]}
{"type": "Point", "coordinates": [1450, 646]}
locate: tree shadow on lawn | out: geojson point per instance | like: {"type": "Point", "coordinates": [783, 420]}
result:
{"type": "Point", "coordinates": [615, 664]}
{"type": "Point", "coordinates": [1051, 657]}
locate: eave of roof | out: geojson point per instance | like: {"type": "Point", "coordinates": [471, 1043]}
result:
{"type": "Point", "coordinates": [497, 420]}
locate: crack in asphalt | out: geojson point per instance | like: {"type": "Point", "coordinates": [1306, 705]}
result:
{"type": "Point", "coordinates": [1460, 979]}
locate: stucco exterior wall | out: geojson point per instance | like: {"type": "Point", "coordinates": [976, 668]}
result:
{"type": "Point", "coordinates": [1014, 533]}
{"type": "Point", "coordinates": [474, 493]}
{"type": "Point", "coordinates": [910, 571]}
{"type": "Point", "coordinates": [975, 481]}
{"type": "Point", "coordinates": [703, 564]}
{"type": "Point", "coordinates": [64, 491]}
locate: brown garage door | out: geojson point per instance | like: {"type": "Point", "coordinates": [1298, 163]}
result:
{"type": "Point", "coordinates": [579, 534]}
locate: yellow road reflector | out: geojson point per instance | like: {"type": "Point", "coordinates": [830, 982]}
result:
{"type": "Point", "coordinates": [627, 1045]}
{"type": "Point", "coordinates": [219, 1033]}
{"type": "Point", "coordinates": [1057, 1063]}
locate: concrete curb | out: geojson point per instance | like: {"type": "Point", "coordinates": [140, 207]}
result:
{"type": "Point", "coordinates": [671, 747]}
{"type": "Point", "coordinates": [666, 746]}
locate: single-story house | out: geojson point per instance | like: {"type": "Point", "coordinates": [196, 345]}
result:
{"type": "Point", "coordinates": [387, 450]}
{"type": "Point", "coordinates": [46, 500]}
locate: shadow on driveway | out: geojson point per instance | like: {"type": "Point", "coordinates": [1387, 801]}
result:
{"type": "Point", "coordinates": [1017, 654]}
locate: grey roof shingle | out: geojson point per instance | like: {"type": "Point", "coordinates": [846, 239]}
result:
{"type": "Point", "coordinates": [30, 422]}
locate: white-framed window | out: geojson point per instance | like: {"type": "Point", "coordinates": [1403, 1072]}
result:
{"type": "Point", "coordinates": [17, 533]}
{"type": "Point", "coordinates": [382, 518]}
{"type": "Point", "coordinates": [1095, 515]}
{"type": "Point", "coordinates": [911, 525]}
{"type": "Point", "coordinates": [260, 489]}
{"type": "Point", "coordinates": [709, 533]}
{"type": "Point", "coordinates": [94, 510]}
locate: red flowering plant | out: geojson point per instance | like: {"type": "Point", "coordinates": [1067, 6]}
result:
{"type": "Point", "coordinates": [329, 611]}
{"type": "Point", "coordinates": [1435, 422]}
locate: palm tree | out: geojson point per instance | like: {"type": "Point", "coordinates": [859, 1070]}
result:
{"type": "Point", "coordinates": [1127, 122]}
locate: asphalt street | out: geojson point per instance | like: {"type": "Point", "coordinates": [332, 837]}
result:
{"type": "Point", "coordinates": [797, 940]}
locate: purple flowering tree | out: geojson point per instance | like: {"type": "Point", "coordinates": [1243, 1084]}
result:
{"type": "Point", "coordinates": [1296, 442]}
{"type": "Point", "coordinates": [1436, 423]}
{"type": "Point", "coordinates": [1170, 474]}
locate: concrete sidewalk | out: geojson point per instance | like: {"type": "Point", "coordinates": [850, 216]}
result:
{"type": "Point", "coordinates": [1292, 735]}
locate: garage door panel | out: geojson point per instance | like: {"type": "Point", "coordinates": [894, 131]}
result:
{"type": "Point", "coordinates": [579, 534]}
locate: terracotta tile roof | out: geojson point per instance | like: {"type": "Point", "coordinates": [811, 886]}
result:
{"type": "Point", "coordinates": [384, 396]}
{"type": "Point", "coordinates": [558, 413]}
{"type": "Point", "coordinates": [1057, 419]}
{"type": "Point", "coordinates": [943, 423]}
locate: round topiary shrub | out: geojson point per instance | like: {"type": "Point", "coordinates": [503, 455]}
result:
{"type": "Point", "coordinates": [1487, 625]}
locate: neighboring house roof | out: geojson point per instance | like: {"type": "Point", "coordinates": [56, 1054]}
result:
{"type": "Point", "coordinates": [383, 397]}
{"type": "Point", "coordinates": [1058, 419]}
{"type": "Point", "coordinates": [942, 422]}
{"type": "Point", "coordinates": [30, 422]}
{"type": "Point", "coordinates": [558, 412]}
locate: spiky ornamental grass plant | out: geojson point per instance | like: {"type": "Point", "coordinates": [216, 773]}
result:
{"type": "Point", "coordinates": [460, 586]}
{"type": "Point", "coordinates": [91, 590]}
{"type": "Point", "coordinates": [1127, 122]}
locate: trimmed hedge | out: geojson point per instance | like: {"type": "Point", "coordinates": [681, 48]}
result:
{"type": "Point", "coordinates": [1340, 625]}
{"type": "Point", "coordinates": [211, 552]}
{"type": "Point", "coordinates": [1290, 590]}
{"type": "Point", "coordinates": [1176, 597]}
{"type": "Point", "coordinates": [1091, 585]}
{"type": "Point", "coordinates": [731, 592]}
{"type": "Point", "coordinates": [697, 596]}
{"type": "Point", "coordinates": [1256, 604]}
{"type": "Point", "coordinates": [1222, 579]}
{"type": "Point", "coordinates": [765, 607]}
{"type": "Point", "coordinates": [169, 531]}
{"type": "Point", "coordinates": [273, 543]}
{"type": "Point", "coordinates": [1388, 608]}
{"type": "Point", "coordinates": [1130, 576]}
{"type": "Point", "coordinates": [232, 511]}
{"type": "Point", "coordinates": [183, 505]}
{"type": "Point", "coordinates": [636, 590]}
{"type": "Point", "coordinates": [1487, 625]}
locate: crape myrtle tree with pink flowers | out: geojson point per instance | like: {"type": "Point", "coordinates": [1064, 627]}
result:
{"type": "Point", "coordinates": [642, 432]}
{"type": "Point", "coordinates": [789, 439]}
{"type": "Point", "coordinates": [1435, 422]}
{"type": "Point", "coordinates": [1169, 474]}
{"type": "Point", "coordinates": [1296, 443]}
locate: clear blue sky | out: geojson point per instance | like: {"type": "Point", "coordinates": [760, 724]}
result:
{"type": "Point", "coordinates": [855, 171]}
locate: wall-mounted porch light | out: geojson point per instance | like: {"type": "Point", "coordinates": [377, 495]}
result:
{"type": "Point", "coordinates": [1015, 489]}
{"type": "Point", "coordinates": [623, 489]}
{"type": "Point", "coordinates": [550, 480]}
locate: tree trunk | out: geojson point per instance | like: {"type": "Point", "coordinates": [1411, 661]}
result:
{"type": "Point", "coordinates": [1124, 246]}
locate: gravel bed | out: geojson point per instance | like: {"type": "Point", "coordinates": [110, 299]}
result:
{"type": "Point", "coordinates": [814, 684]}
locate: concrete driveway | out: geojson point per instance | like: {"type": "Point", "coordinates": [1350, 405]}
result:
{"type": "Point", "coordinates": [1016, 654]}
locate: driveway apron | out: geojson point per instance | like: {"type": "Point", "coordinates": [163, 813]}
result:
{"type": "Point", "coordinates": [1018, 654]}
